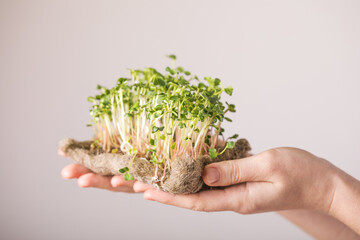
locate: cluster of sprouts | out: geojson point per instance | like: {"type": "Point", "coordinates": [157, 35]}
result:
{"type": "Point", "coordinates": [160, 116]}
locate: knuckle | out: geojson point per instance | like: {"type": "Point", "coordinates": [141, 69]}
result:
{"type": "Point", "coordinates": [249, 207]}
{"type": "Point", "coordinates": [169, 200]}
{"type": "Point", "coordinates": [198, 205]}
{"type": "Point", "coordinates": [271, 154]}
{"type": "Point", "coordinates": [270, 160]}
{"type": "Point", "coordinates": [234, 172]}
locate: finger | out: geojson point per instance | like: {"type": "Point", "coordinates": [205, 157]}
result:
{"type": "Point", "coordinates": [61, 153]}
{"type": "Point", "coordinates": [74, 171]}
{"type": "Point", "coordinates": [99, 181]}
{"type": "Point", "coordinates": [235, 171]}
{"type": "Point", "coordinates": [117, 181]}
{"type": "Point", "coordinates": [226, 199]}
{"type": "Point", "coordinates": [141, 187]}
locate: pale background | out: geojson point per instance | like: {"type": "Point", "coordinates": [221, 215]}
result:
{"type": "Point", "coordinates": [294, 65]}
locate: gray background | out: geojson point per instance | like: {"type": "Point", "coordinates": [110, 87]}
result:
{"type": "Point", "coordinates": [294, 66]}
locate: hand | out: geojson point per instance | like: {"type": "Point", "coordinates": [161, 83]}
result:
{"type": "Point", "coordinates": [87, 178]}
{"type": "Point", "coordinates": [277, 179]}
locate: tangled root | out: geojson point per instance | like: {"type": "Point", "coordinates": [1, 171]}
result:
{"type": "Point", "coordinates": [184, 176]}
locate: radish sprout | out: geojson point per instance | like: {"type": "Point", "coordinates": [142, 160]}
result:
{"type": "Point", "coordinates": [160, 116]}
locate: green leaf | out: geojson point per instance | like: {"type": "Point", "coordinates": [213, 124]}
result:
{"type": "Point", "coordinates": [172, 56]}
{"type": "Point", "coordinates": [183, 82]}
{"type": "Point", "coordinates": [154, 130]}
{"type": "Point", "coordinates": [179, 69]}
{"type": "Point", "coordinates": [213, 153]}
{"type": "Point", "coordinates": [154, 159]}
{"type": "Point", "coordinates": [169, 70]}
{"type": "Point", "coordinates": [128, 177]}
{"type": "Point", "coordinates": [174, 98]}
{"type": "Point", "coordinates": [234, 136]}
{"type": "Point", "coordinates": [162, 137]}
{"type": "Point", "coordinates": [230, 144]}
{"type": "Point", "coordinates": [210, 81]}
{"type": "Point", "coordinates": [133, 151]}
{"type": "Point", "coordinates": [201, 85]}
{"type": "Point", "coordinates": [161, 128]}
{"type": "Point", "coordinates": [150, 94]}
{"type": "Point", "coordinates": [122, 80]}
{"type": "Point", "coordinates": [158, 107]}
{"type": "Point", "coordinates": [229, 90]}
{"type": "Point", "coordinates": [217, 81]}
{"type": "Point", "coordinates": [231, 107]}
{"type": "Point", "coordinates": [159, 81]}
{"type": "Point", "coordinates": [124, 170]}
{"type": "Point", "coordinates": [173, 145]}
{"type": "Point", "coordinates": [153, 142]}
{"type": "Point", "coordinates": [221, 131]}
{"type": "Point", "coordinates": [227, 119]}
{"type": "Point", "coordinates": [160, 98]}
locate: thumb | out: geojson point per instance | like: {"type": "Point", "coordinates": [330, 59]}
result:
{"type": "Point", "coordinates": [234, 171]}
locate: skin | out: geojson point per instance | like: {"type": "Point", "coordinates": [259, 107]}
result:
{"type": "Point", "coordinates": [86, 178]}
{"type": "Point", "coordinates": [308, 190]}
{"type": "Point", "coordinates": [319, 225]}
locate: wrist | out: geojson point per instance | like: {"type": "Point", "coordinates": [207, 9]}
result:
{"type": "Point", "coordinates": [345, 201]}
{"type": "Point", "coordinates": [324, 187]}
{"type": "Point", "coordinates": [347, 189]}
{"type": "Point", "coordinates": [333, 183]}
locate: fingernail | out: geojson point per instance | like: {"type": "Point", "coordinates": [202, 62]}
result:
{"type": "Point", "coordinates": [212, 175]}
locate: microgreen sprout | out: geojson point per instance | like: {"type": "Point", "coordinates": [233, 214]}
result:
{"type": "Point", "coordinates": [213, 153]}
{"type": "Point", "coordinates": [160, 116]}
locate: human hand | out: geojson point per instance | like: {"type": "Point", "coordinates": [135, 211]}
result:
{"type": "Point", "coordinates": [87, 178]}
{"type": "Point", "coordinates": [277, 179]}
